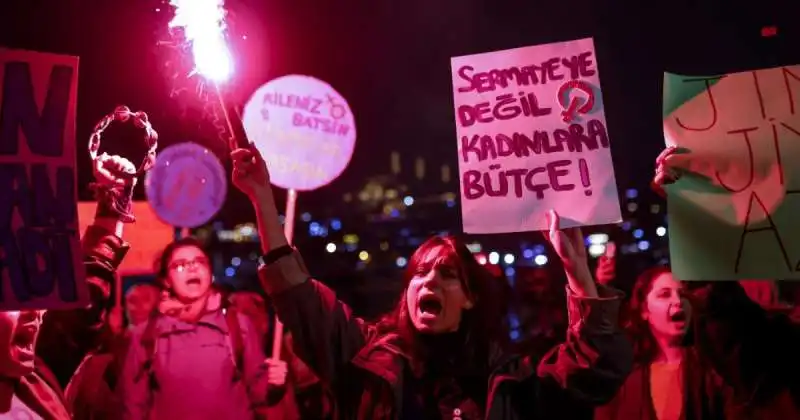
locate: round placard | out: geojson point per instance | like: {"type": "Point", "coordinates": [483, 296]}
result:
{"type": "Point", "coordinates": [303, 128]}
{"type": "Point", "coordinates": [187, 186]}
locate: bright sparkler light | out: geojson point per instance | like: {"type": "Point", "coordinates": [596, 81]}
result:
{"type": "Point", "coordinates": [203, 23]}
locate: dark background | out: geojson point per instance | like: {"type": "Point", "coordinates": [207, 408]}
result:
{"type": "Point", "coordinates": [391, 60]}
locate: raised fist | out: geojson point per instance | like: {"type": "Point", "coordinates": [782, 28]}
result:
{"type": "Point", "coordinates": [114, 187]}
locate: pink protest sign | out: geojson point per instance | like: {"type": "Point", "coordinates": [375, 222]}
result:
{"type": "Point", "coordinates": [304, 129]}
{"type": "Point", "coordinates": [40, 255]}
{"type": "Point", "coordinates": [532, 137]}
{"type": "Point", "coordinates": [187, 186]}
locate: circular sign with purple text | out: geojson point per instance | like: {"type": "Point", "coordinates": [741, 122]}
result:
{"type": "Point", "coordinates": [187, 186]}
{"type": "Point", "coordinates": [303, 128]}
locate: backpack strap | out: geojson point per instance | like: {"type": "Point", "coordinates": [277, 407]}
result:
{"type": "Point", "coordinates": [235, 337]}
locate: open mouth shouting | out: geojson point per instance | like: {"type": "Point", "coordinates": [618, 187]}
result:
{"type": "Point", "coordinates": [24, 341]}
{"type": "Point", "coordinates": [429, 306]}
{"type": "Point", "coordinates": [679, 317]}
{"type": "Point", "coordinates": [193, 282]}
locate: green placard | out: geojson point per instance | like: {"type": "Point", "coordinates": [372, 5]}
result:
{"type": "Point", "coordinates": [736, 212]}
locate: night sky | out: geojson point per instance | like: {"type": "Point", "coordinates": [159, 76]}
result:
{"type": "Point", "coordinates": [391, 59]}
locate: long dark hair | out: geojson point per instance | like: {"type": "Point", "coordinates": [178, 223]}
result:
{"type": "Point", "coordinates": [482, 325]}
{"type": "Point", "coordinates": [645, 348]}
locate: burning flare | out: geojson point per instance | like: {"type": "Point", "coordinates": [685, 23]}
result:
{"type": "Point", "coordinates": [203, 23]}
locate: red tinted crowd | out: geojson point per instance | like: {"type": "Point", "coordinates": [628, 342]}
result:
{"type": "Point", "coordinates": [186, 349]}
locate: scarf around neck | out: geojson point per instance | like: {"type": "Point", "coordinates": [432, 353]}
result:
{"type": "Point", "coordinates": [191, 312]}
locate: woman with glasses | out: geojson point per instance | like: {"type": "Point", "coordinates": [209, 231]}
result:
{"type": "Point", "coordinates": [196, 358]}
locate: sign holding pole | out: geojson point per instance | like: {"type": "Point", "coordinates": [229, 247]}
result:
{"type": "Point", "coordinates": [306, 133]}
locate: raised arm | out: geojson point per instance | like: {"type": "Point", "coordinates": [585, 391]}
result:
{"type": "Point", "coordinates": [752, 350]}
{"type": "Point", "coordinates": [67, 335]}
{"type": "Point", "coordinates": [596, 357]}
{"type": "Point", "coordinates": [593, 362]}
{"type": "Point", "coordinates": [326, 335]}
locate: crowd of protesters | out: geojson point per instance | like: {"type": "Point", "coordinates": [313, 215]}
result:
{"type": "Point", "coordinates": [184, 348]}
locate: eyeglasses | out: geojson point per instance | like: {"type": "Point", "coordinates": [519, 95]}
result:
{"type": "Point", "coordinates": [183, 265]}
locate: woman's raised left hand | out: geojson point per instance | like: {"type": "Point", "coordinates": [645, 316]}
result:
{"type": "Point", "coordinates": [570, 248]}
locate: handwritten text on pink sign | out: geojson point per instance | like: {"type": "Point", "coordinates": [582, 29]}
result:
{"type": "Point", "coordinates": [532, 136]}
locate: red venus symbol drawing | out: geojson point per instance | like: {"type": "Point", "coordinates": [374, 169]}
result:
{"type": "Point", "coordinates": [572, 104]}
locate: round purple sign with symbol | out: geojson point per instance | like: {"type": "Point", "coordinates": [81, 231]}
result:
{"type": "Point", "coordinates": [303, 128]}
{"type": "Point", "coordinates": [187, 186]}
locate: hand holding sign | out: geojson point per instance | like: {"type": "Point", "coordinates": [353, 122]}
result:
{"type": "Point", "coordinates": [667, 171]}
{"type": "Point", "coordinates": [673, 162]}
{"type": "Point", "coordinates": [568, 244]}
{"type": "Point", "coordinates": [276, 372]}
